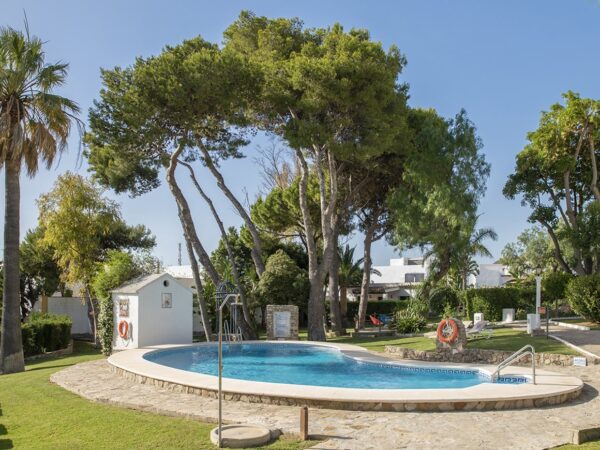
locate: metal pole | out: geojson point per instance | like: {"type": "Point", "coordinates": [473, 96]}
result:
{"type": "Point", "coordinates": [220, 369]}
{"type": "Point", "coordinates": [538, 299]}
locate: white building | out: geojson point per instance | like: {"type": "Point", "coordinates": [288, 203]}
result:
{"type": "Point", "coordinates": [490, 275]}
{"type": "Point", "coordinates": [396, 281]}
{"type": "Point", "coordinates": [152, 310]}
{"type": "Point", "coordinates": [185, 276]}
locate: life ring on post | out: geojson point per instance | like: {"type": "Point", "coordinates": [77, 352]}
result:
{"type": "Point", "coordinates": [447, 331]}
{"type": "Point", "coordinates": [123, 329]}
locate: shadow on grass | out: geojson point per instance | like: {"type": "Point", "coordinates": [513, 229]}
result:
{"type": "Point", "coordinates": [4, 443]}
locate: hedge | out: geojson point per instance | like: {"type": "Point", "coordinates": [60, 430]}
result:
{"type": "Point", "coordinates": [375, 307]}
{"type": "Point", "coordinates": [583, 295]}
{"type": "Point", "coordinates": [440, 297]}
{"type": "Point", "coordinates": [45, 333]}
{"type": "Point", "coordinates": [491, 301]}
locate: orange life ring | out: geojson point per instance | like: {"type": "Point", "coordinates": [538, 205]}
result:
{"type": "Point", "coordinates": [123, 329]}
{"type": "Point", "coordinates": [442, 331]}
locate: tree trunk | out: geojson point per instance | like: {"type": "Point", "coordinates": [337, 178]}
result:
{"type": "Point", "coordinates": [199, 289]}
{"type": "Point", "coordinates": [595, 188]}
{"type": "Point", "coordinates": [366, 280]}
{"type": "Point", "coordinates": [334, 290]}
{"type": "Point", "coordinates": [11, 346]}
{"type": "Point", "coordinates": [557, 250]}
{"type": "Point", "coordinates": [246, 323]}
{"type": "Point", "coordinates": [92, 317]}
{"type": "Point", "coordinates": [316, 300]}
{"type": "Point", "coordinates": [316, 311]}
{"type": "Point", "coordinates": [187, 221]}
{"type": "Point", "coordinates": [256, 247]}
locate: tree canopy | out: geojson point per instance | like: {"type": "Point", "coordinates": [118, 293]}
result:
{"type": "Point", "coordinates": [556, 176]}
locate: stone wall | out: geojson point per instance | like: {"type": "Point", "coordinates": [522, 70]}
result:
{"type": "Point", "coordinates": [475, 355]}
{"type": "Point", "coordinates": [293, 312]}
{"type": "Point", "coordinates": [399, 406]}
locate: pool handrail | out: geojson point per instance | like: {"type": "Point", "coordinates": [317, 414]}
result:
{"type": "Point", "coordinates": [526, 350]}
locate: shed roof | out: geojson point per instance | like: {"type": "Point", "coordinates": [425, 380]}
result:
{"type": "Point", "coordinates": [135, 285]}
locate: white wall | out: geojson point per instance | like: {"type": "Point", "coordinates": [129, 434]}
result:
{"type": "Point", "coordinates": [396, 271]}
{"type": "Point", "coordinates": [158, 325]}
{"type": "Point", "coordinates": [490, 275]}
{"type": "Point", "coordinates": [118, 342]}
{"type": "Point", "coordinates": [74, 307]}
{"type": "Point", "coordinates": [150, 323]}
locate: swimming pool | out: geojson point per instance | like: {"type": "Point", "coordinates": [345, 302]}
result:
{"type": "Point", "coordinates": [316, 365]}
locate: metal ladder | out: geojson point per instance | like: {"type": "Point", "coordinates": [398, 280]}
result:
{"type": "Point", "coordinates": [527, 350]}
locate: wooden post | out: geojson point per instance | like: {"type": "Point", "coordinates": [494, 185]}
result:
{"type": "Point", "coordinates": [304, 423]}
{"type": "Point", "coordinates": [44, 304]}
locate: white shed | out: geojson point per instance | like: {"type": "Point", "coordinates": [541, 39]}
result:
{"type": "Point", "coordinates": [152, 310]}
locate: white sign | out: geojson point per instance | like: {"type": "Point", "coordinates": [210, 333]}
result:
{"type": "Point", "coordinates": [579, 361]}
{"type": "Point", "coordinates": [282, 326]}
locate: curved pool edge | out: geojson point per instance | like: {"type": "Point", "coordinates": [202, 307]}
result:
{"type": "Point", "coordinates": [551, 388]}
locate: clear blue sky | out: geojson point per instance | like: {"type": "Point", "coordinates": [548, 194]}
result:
{"type": "Point", "coordinates": [502, 61]}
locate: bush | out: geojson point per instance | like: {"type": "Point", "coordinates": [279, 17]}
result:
{"type": "Point", "coordinates": [491, 301]}
{"type": "Point", "coordinates": [440, 297]}
{"type": "Point", "coordinates": [375, 307]}
{"type": "Point", "coordinates": [554, 285]}
{"type": "Point", "coordinates": [283, 282]}
{"type": "Point", "coordinates": [583, 295]}
{"type": "Point", "coordinates": [45, 333]}
{"type": "Point", "coordinates": [411, 319]}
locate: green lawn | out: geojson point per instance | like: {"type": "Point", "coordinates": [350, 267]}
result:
{"type": "Point", "coordinates": [512, 340]}
{"type": "Point", "coordinates": [501, 339]}
{"type": "Point", "coordinates": [594, 445]}
{"type": "Point", "coordinates": [378, 344]}
{"type": "Point", "coordinates": [36, 414]}
{"type": "Point", "coordinates": [592, 325]}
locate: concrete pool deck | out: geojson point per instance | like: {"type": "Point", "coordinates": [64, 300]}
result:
{"type": "Point", "coordinates": [536, 429]}
{"type": "Point", "coordinates": [551, 388]}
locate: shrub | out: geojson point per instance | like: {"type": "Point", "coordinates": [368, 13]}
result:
{"type": "Point", "coordinates": [376, 307]}
{"type": "Point", "coordinates": [583, 295]}
{"type": "Point", "coordinates": [554, 285]}
{"type": "Point", "coordinates": [491, 301]}
{"type": "Point", "coordinates": [411, 319]}
{"type": "Point", "coordinates": [283, 282]}
{"type": "Point", "coordinates": [440, 297]}
{"type": "Point", "coordinates": [45, 333]}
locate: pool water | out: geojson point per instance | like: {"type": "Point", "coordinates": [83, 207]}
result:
{"type": "Point", "coordinates": [315, 365]}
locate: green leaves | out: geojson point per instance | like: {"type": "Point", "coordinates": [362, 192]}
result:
{"type": "Point", "coordinates": [80, 225]}
{"type": "Point", "coordinates": [34, 122]}
{"type": "Point", "coordinates": [192, 93]}
{"type": "Point", "coordinates": [556, 174]}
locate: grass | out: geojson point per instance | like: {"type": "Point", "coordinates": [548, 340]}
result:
{"type": "Point", "coordinates": [502, 339]}
{"type": "Point", "coordinates": [587, 323]}
{"type": "Point", "coordinates": [378, 344]}
{"type": "Point", "coordinates": [593, 445]}
{"type": "Point", "coordinates": [36, 414]}
{"type": "Point", "coordinates": [513, 340]}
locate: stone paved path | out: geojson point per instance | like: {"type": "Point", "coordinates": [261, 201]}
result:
{"type": "Point", "coordinates": [521, 429]}
{"type": "Point", "coordinates": [587, 340]}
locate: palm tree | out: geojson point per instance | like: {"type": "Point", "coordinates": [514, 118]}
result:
{"type": "Point", "coordinates": [473, 246]}
{"type": "Point", "coordinates": [34, 126]}
{"type": "Point", "coordinates": [350, 273]}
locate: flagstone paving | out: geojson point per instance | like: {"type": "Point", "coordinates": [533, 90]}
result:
{"type": "Point", "coordinates": [520, 429]}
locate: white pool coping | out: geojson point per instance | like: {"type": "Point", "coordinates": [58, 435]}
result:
{"type": "Point", "coordinates": [548, 384]}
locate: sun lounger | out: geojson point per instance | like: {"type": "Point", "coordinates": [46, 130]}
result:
{"type": "Point", "coordinates": [480, 329]}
